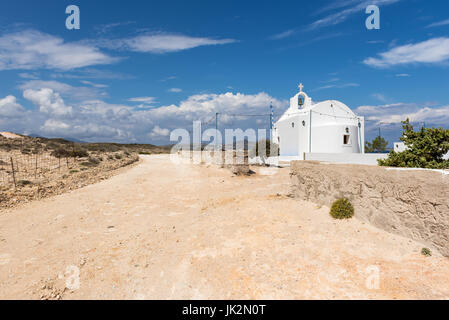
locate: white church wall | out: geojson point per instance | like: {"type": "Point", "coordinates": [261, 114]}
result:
{"type": "Point", "coordinates": [331, 139]}
{"type": "Point", "coordinates": [288, 137]}
{"type": "Point", "coordinates": [326, 127]}
{"type": "Point", "coordinates": [303, 123]}
{"type": "Point", "coordinates": [293, 135]}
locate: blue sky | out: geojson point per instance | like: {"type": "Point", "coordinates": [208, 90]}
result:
{"type": "Point", "coordinates": [136, 70]}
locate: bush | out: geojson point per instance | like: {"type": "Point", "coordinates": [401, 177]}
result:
{"type": "Point", "coordinates": [64, 153]}
{"type": "Point", "coordinates": [342, 209]}
{"type": "Point", "coordinates": [270, 149]}
{"type": "Point", "coordinates": [73, 171]}
{"type": "Point", "coordinates": [60, 153]}
{"type": "Point", "coordinates": [118, 156]}
{"type": "Point", "coordinates": [92, 162]}
{"type": "Point", "coordinates": [24, 183]}
{"type": "Point", "coordinates": [426, 252]}
{"type": "Point", "coordinates": [378, 145]}
{"type": "Point", "coordinates": [425, 149]}
{"type": "Point", "coordinates": [79, 153]}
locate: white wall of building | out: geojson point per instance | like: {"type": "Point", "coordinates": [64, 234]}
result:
{"type": "Point", "coordinates": [293, 135]}
{"type": "Point", "coordinates": [399, 146]}
{"type": "Point", "coordinates": [319, 128]}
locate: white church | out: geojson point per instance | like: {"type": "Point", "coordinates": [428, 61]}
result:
{"type": "Point", "coordinates": [328, 127]}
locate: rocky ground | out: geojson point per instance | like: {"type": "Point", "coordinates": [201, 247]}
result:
{"type": "Point", "coordinates": [47, 167]}
{"type": "Point", "coordinates": [77, 174]}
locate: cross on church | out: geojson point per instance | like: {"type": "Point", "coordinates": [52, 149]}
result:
{"type": "Point", "coordinates": [300, 87]}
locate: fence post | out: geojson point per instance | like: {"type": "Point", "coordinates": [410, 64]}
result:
{"type": "Point", "coordinates": [35, 169]}
{"type": "Point", "coordinates": [13, 174]}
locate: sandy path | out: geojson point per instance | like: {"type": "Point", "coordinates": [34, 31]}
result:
{"type": "Point", "coordinates": [165, 231]}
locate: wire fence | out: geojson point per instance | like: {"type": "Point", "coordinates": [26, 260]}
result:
{"type": "Point", "coordinates": [17, 169]}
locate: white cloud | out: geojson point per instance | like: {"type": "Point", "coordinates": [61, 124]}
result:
{"type": "Point", "coordinates": [97, 120]}
{"type": "Point", "coordinates": [168, 78]}
{"type": "Point", "coordinates": [9, 107]}
{"type": "Point", "coordinates": [67, 91]}
{"type": "Point", "coordinates": [91, 73]}
{"type": "Point", "coordinates": [27, 75]}
{"type": "Point", "coordinates": [175, 90]}
{"type": "Point", "coordinates": [143, 99]}
{"type": "Point", "coordinates": [95, 85]}
{"type": "Point", "coordinates": [343, 15]}
{"type": "Point", "coordinates": [163, 43]}
{"type": "Point", "coordinates": [48, 101]}
{"type": "Point", "coordinates": [397, 112]}
{"type": "Point", "coordinates": [380, 96]}
{"type": "Point", "coordinates": [106, 28]}
{"type": "Point", "coordinates": [438, 24]}
{"type": "Point", "coordinates": [55, 126]}
{"type": "Point", "coordinates": [158, 131]}
{"type": "Point", "coordinates": [402, 75]}
{"type": "Point", "coordinates": [337, 86]}
{"type": "Point", "coordinates": [432, 51]}
{"type": "Point", "coordinates": [283, 35]}
{"type": "Point", "coordinates": [31, 49]}
{"type": "Point", "coordinates": [145, 102]}
{"type": "Point", "coordinates": [201, 106]}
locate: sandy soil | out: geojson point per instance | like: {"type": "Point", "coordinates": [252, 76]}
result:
{"type": "Point", "coordinates": [160, 231]}
{"type": "Point", "coordinates": [10, 135]}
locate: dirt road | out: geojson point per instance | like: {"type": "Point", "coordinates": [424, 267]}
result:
{"type": "Point", "coordinates": [165, 231]}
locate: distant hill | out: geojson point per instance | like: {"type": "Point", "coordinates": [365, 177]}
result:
{"type": "Point", "coordinates": [34, 144]}
{"type": "Point", "coordinates": [33, 135]}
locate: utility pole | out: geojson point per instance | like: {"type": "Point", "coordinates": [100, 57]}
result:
{"type": "Point", "coordinates": [216, 130]}
{"type": "Point", "coordinates": [271, 121]}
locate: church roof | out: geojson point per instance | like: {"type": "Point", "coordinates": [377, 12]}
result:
{"type": "Point", "coordinates": [301, 103]}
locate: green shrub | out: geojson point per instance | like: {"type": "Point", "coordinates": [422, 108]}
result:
{"type": "Point", "coordinates": [73, 171]}
{"type": "Point", "coordinates": [23, 183]}
{"type": "Point", "coordinates": [342, 209]}
{"type": "Point", "coordinates": [426, 252]}
{"type": "Point", "coordinates": [425, 149]}
{"type": "Point", "coordinates": [65, 153]}
{"type": "Point", "coordinates": [60, 153]}
{"type": "Point", "coordinates": [94, 161]}
{"type": "Point", "coordinates": [118, 156]}
{"type": "Point", "coordinates": [378, 145]}
{"type": "Point", "coordinates": [269, 149]}
{"type": "Point", "coordinates": [79, 153]}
